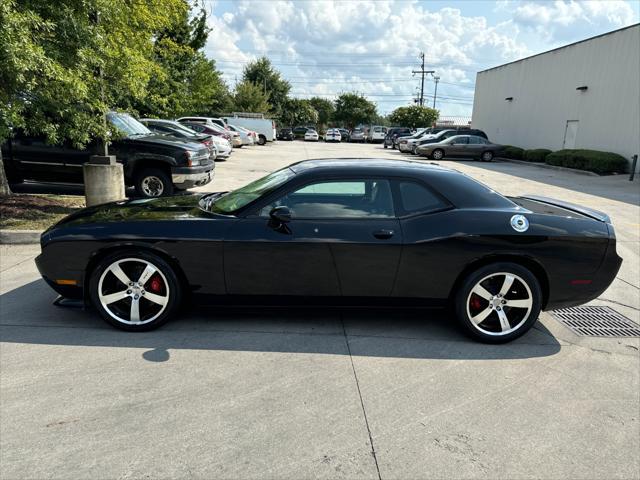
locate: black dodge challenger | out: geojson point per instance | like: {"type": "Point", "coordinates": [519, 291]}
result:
{"type": "Point", "coordinates": [357, 231]}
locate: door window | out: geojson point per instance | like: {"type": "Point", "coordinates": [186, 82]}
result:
{"type": "Point", "coordinates": [339, 199]}
{"type": "Point", "coordinates": [418, 198]}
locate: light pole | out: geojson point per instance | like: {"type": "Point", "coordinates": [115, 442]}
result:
{"type": "Point", "coordinates": [436, 79]}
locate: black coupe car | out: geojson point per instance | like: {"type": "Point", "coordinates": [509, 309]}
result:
{"type": "Point", "coordinates": [361, 231]}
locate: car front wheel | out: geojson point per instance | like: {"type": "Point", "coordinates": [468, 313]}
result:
{"type": "Point", "coordinates": [498, 303]}
{"type": "Point", "coordinates": [134, 291]}
{"type": "Point", "coordinates": [153, 182]}
{"type": "Point", "coordinates": [437, 154]}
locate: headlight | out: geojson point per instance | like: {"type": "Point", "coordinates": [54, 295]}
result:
{"type": "Point", "coordinates": [191, 160]}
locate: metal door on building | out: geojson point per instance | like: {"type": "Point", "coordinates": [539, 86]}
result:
{"type": "Point", "coordinates": [570, 134]}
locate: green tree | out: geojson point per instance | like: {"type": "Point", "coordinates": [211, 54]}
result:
{"type": "Point", "coordinates": [250, 97]}
{"type": "Point", "coordinates": [188, 83]}
{"type": "Point", "coordinates": [353, 109]}
{"type": "Point", "coordinates": [65, 63]}
{"type": "Point", "coordinates": [414, 116]}
{"type": "Point", "coordinates": [325, 109]}
{"type": "Point", "coordinates": [262, 73]}
{"type": "Point", "coordinates": [297, 111]}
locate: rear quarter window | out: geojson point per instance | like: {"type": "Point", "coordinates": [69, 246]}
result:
{"type": "Point", "coordinates": [417, 198]}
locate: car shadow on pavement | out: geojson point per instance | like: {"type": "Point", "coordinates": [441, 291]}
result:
{"type": "Point", "coordinates": [28, 316]}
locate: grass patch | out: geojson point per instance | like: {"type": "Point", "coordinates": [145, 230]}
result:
{"type": "Point", "coordinates": [36, 212]}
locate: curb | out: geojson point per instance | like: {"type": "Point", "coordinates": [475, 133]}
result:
{"type": "Point", "coordinates": [19, 237]}
{"type": "Point", "coordinates": [549, 167]}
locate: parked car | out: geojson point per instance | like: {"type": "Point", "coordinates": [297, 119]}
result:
{"type": "Point", "coordinates": [285, 134]}
{"type": "Point", "coordinates": [393, 134]}
{"type": "Point", "coordinates": [264, 127]}
{"type": "Point", "coordinates": [329, 232]}
{"type": "Point", "coordinates": [332, 135]}
{"type": "Point", "coordinates": [154, 164]}
{"type": "Point", "coordinates": [311, 135]}
{"type": "Point", "coordinates": [175, 129]}
{"type": "Point", "coordinates": [467, 146]}
{"type": "Point", "coordinates": [358, 135]}
{"type": "Point", "coordinates": [219, 137]}
{"type": "Point", "coordinates": [298, 132]}
{"type": "Point", "coordinates": [346, 134]}
{"type": "Point", "coordinates": [206, 120]}
{"type": "Point", "coordinates": [444, 134]}
{"type": "Point", "coordinates": [377, 133]}
{"type": "Point", "coordinates": [245, 136]}
{"type": "Point", "coordinates": [405, 144]}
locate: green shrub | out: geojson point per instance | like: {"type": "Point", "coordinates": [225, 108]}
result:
{"type": "Point", "coordinates": [590, 160]}
{"type": "Point", "coordinates": [536, 154]}
{"type": "Point", "coordinates": [509, 151]}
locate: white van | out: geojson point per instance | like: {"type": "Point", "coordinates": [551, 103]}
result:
{"type": "Point", "coordinates": [265, 127]}
{"type": "Point", "coordinates": [377, 133]}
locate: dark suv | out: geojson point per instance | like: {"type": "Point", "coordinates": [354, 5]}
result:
{"type": "Point", "coordinates": [285, 134]}
{"type": "Point", "coordinates": [393, 134]}
{"type": "Point", "coordinates": [154, 164]}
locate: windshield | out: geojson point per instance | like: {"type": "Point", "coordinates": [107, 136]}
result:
{"type": "Point", "coordinates": [127, 124]}
{"type": "Point", "coordinates": [181, 128]}
{"type": "Point", "coordinates": [241, 197]}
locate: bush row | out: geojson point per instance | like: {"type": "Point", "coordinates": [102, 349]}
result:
{"type": "Point", "coordinates": [590, 160]}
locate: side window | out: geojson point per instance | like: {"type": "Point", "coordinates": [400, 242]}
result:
{"type": "Point", "coordinates": [418, 198]}
{"type": "Point", "coordinates": [474, 140]}
{"type": "Point", "coordinates": [338, 199]}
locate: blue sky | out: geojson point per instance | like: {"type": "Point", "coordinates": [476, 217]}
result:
{"type": "Point", "coordinates": [327, 47]}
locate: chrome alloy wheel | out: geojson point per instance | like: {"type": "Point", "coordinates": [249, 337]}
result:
{"type": "Point", "coordinates": [499, 304]}
{"type": "Point", "coordinates": [437, 155]}
{"type": "Point", "coordinates": [133, 291]}
{"type": "Point", "coordinates": [152, 186]}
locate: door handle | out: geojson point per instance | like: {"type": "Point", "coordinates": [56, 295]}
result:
{"type": "Point", "coordinates": [383, 234]}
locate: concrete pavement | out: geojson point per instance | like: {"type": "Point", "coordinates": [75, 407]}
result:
{"type": "Point", "coordinates": [289, 393]}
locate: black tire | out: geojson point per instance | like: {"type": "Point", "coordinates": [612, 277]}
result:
{"type": "Point", "coordinates": [385, 145]}
{"type": "Point", "coordinates": [164, 274]}
{"type": "Point", "coordinates": [262, 140]}
{"type": "Point", "coordinates": [150, 180]}
{"type": "Point", "coordinates": [437, 154]}
{"type": "Point", "coordinates": [486, 156]}
{"type": "Point", "coordinates": [490, 329]}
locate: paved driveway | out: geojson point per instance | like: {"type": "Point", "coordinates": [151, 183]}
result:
{"type": "Point", "coordinates": [292, 393]}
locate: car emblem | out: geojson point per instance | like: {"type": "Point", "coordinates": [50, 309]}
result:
{"type": "Point", "coordinates": [520, 223]}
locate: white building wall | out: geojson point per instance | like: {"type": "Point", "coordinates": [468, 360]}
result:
{"type": "Point", "coordinates": [544, 94]}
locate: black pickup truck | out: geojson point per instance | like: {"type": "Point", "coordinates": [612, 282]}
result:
{"type": "Point", "coordinates": [155, 165]}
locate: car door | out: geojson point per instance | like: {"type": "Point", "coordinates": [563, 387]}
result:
{"type": "Point", "coordinates": [343, 239]}
{"type": "Point", "coordinates": [39, 160]}
{"type": "Point", "coordinates": [476, 146]}
{"type": "Point", "coordinates": [458, 147]}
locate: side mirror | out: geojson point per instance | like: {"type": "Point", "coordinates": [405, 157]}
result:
{"type": "Point", "coordinates": [280, 214]}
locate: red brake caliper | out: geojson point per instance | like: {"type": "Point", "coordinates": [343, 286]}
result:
{"type": "Point", "coordinates": [156, 284]}
{"type": "Point", "coordinates": [475, 303]}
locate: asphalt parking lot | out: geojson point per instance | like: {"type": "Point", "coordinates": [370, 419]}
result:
{"type": "Point", "coordinates": [293, 393]}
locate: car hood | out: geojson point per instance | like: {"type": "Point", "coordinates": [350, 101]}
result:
{"type": "Point", "coordinates": [142, 209]}
{"type": "Point", "coordinates": [167, 141]}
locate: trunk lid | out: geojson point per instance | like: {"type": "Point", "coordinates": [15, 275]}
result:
{"type": "Point", "coordinates": [553, 206]}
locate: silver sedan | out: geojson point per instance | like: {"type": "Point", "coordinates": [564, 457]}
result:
{"type": "Point", "coordinates": [466, 146]}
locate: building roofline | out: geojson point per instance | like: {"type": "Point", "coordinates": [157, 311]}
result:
{"type": "Point", "coordinates": [563, 46]}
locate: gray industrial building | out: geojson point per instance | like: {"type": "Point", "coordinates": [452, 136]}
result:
{"type": "Point", "coordinates": [582, 95]}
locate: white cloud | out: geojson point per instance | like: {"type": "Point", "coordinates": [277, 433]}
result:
{"type": "Point", "coordinates": [326, 47]}
{"type": "Point", "coordinates": [566, 20]}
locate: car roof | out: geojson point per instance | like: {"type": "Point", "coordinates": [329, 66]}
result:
{"type": "Point", "coordinates": [462, 190]}
{"type": "Point", "coordinates": [356, 165]}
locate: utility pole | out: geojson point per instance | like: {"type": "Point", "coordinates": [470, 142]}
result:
{"type": "Point", "coordinates": [422, 72]}
{"type": "Point", "coordinates": [435, 94]}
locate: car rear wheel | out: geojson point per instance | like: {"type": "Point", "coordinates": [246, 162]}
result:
{"type": "Point", "coordinates": [134, 291]}
{"type": "Point", "coordinates": [486, 156]}
{"type": "Point", "coordinates": [498, 303]}
{"type": "Point", "coordinates": [437, 154]}
{"type": "Point", "coordinates": [153, 182]}
{"type": "Point", "coordinates": [262, 140]}
{"type": "Point", "coordinates": [414, 150]}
